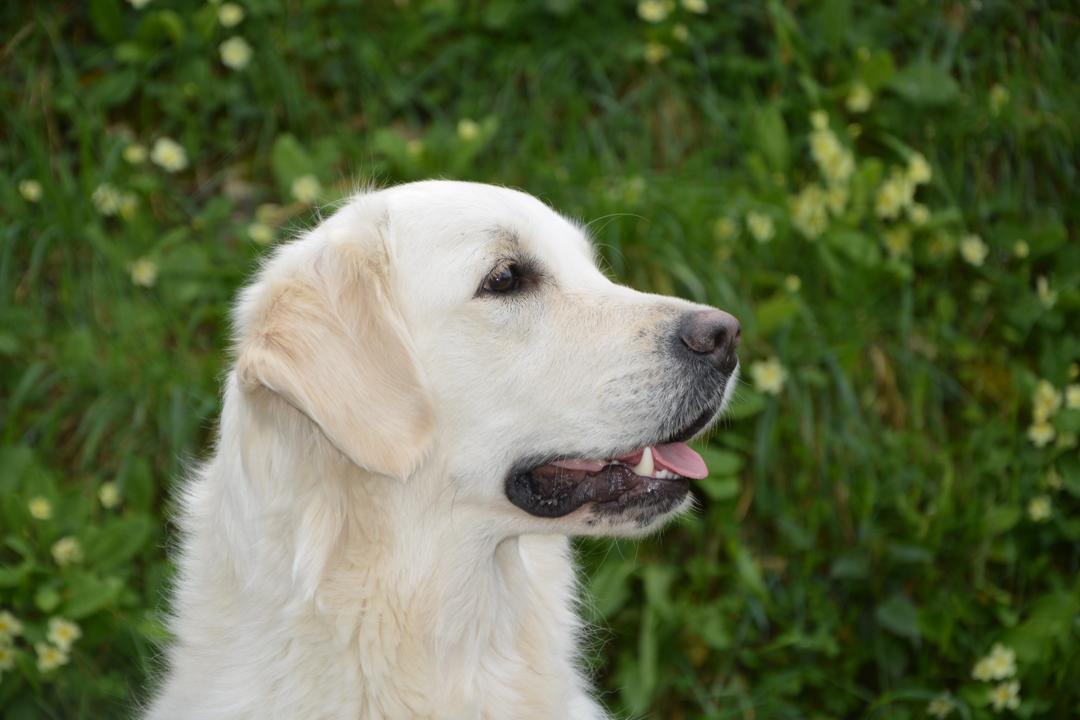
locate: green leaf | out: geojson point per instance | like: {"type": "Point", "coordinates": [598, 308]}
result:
{"type": "Point", "coordinates": [87, 593]}
{"type": "Point", "coordinates": [925, 83]}
{"type": "Point", "coordinates": [47, 598]}
{"type": "Point", "coordinates": [1000, 519]}
{"type": "Point", "coordinates": [899, 615]}
{"type": "Point", "coordinates": [290, 160]}
{"type": "Point", "coordinates": [609, 587]}
{"type": "Point", "coordinates": [770, 136]}
{"type": "Point", "coordinates": [719, 488]}
{"type": "Point", "coordinates": [747, 569]}
{"type": "Point", "coordinates": [746, 403]}
{"type": "Point", "coordinates": [107, 18]}
{"type": "Point", "coordinates": [774, 313]}
{"type": "Point", "coordinates": [119, 541]}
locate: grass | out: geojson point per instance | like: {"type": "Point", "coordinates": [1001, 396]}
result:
{"type": "Point", "coordinates": [871, 528]}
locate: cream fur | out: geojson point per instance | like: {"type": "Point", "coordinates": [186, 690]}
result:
{"type": "Point", "coordinates": [348, 549]}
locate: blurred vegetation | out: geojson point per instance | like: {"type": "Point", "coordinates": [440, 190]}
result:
{"type": "Point", "coordinates": [885, 194]}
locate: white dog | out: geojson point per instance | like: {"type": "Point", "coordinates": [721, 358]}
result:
{"type": "Point", "coordinates": [432, 389]}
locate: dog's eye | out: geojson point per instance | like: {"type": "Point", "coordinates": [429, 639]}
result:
{"type": "Point", "coordinates": [505, 278]}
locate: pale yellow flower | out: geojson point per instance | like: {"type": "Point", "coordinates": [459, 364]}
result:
{"type": "Point", "coordinates": [1047, 297]}
{"type": "Point", "coordinates": [761, 226]}
{"type": "Point", "coordinates": [9, 625]}
{"type": "Point", "coordinates": [918, 170]}
{"type": "Point", "coordinates": [107, 199]}
{"type": "Point", "coordinates": [698, 7]}
{"type": "Point", "coordinates": [40, 508]}
{"type": "Point", "coordinates": [898, 242]}
{"type": "Point", "coordinates": [144, 272]}
{"type": "Point", "coordinates": [681, 33]}
{"type": "Point", "coordinates": [50, 657]}
{"type": "Point", "coordinates": [63, 633]}
{"type": "Point", "coordinates": [1041, 434]}
{"type": "Point", "coordinates": [1052, 479]}
{"type": "Point", "coordinates": [468, 130]}
{"type": "Point", "coordinates": [999, 98]}
{"type": "Point", "coordinates": [854, 130]}
{"type": "Point", "coordinates": [1005, 696]}
{"type": "Point", "coordinates": [139, 4]}
{"type": "Point", "coordinates": [109, 495]}
{"type": "Point", "coordinates": [973, 249]}
{"type": "Point", "coordinates": [769, 376]}
{"type": "Point", "coordinates": [653, 11]}
{"type": "Point", "coordinates": [808, 211]}
{"type": "Point", "coordinates": [819, 119]}
{"type": "Point", "coordinates": [792, 283]}
{"type": "Point", "coordinates": [1021, 249]}
{"type": "Point", "coordinates": [1045, 401]}
{"type": "Point", "coordinates": [859, 98]}
{"type": "Point", "coordinates": [1072, 396]}
{"type": "Point", "coordinates": [30, 190]}
{"type": "Point", "coordinates": [1039, 508]}
{"type": "Point", "coordinates": [235, 53]}
{"type": "Point", "coordinates": [169, 155]}
{"type": "Point", "coordinates": [724, 228]}
{"type": "Point", "coordinates": [67, 551]}
{"type": "Point", "coordinates": [835, 161]}
{"type": "Point", "coordinates": [306, 189]}
{"type": "Point", "coordinates": [655, 52]}
{"type": "Point", "coordinates": [135, 154]}
{"type": "Point", "coordinates": [919, 214]}
{"type": "Point", "coordinates": [230, 15]}
{"type": "Point", "coordinates": [7, 657]}
{"type": "Point", "coordinates": [941, 706]}
{"type": "Point", "coordinates": [895, 194]}
{"type": "Point", "coordinates": [260, 233]}
{"type": "Point", "coordinates": [836, 198]}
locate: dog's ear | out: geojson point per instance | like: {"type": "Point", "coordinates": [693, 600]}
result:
{"type": "Point", "coordinates": [330, 342]}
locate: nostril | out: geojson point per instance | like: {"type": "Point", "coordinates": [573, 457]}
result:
{"type": "Point", "coordinates": [712, 333]}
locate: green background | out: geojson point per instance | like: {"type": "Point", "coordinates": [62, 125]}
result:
{"type": "Point", "coordinates": [868, 532]}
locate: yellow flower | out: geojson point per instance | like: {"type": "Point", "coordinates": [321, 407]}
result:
{"type": "Point", "coordinates": [1045, 401]}
{"type": "Point", "coordinates": [67, 551]}
{"type": "Point", "coordinates": [63, 633]}
{"type": "Point", "coordinates": [918, 170]}
{"type": "Point", "coordinates": [468, 130]}
{"type": "Point", "coordinates": [898, 242]}
{"type": "Point", "coordinates": [724, 228]}
{"type": "Point", "coordinates": [306, 189]}
{"type": "Point", "coordinates": [260, 233]}
{"type": "Point", "coordinates": [1047, 297]}
{"type": "Point", "coordinates": [793, 283]}
{"type": "Point", "coordinates": [819, 120]}
{"type": "Point", "coordinates": [836, 198]}
{"type": "Point", "coordinates": [139, 4]}
{"type": "Point", "coordinates": [135, 154]}
{"type": "Point", "coordinates": [761, 226]}
{"type": "Point", "coordinates": [144, 272]}
{"type": "Point", "coordinates": [655, 52]}
{"type": "Point", "coordinates": [9, 626]}
{"type": "Point", "coordinates": [698, 7]}
{"type": "Point", "coordinates": [30, 190]}
{"type": "Point", "coordinates": [834, 160]}
{"type": "Point", "coordinates": [999, 98]}
{"type": "Point", "coordinates": [169, 155]}
{"type": "Point", "coordinates": [235, 53]}
{"type": "Point", "coordinates": [1039, 508]}
{"type": "Point", "coordinates": [1041, 434]}
{"type": "Point", "coordinates": [808, 211]}
{"type": "Point", "coordinates": [681, 33]}
{"type": "Point", "coordinates": [769, 376]}
{"type": "Point", "coordinates": [941, 706]}
{"type": "Point", "coordinates": [919, 214]}
{"type": "Point", "coordinates": [859, 98]}
{"type": "Point", "coordinates": [7, 657]}
{"type": "Point", "coordinates": [1072, 396]}
{"type": "Point", "coordinates": [653, 11]}
{"type": "Point", "coordinates": [894, 195]}
{"type": "Point", "coordinates": [1021, 249]}
{"type": "Point", "coordinates": [109, 495]}
{"type": "Point", "coordinates": [40, 508]}
{"type": "Point", "coordinates": [1005, 695]}
{"type": "Point", "coordinates": [50, 657]}
{"type": "Point", "coordinates": [107, 199]}
{"type": "Point", "coordinates": [230, 15]}
{"type": "Point", "coordinates": [973, 249]}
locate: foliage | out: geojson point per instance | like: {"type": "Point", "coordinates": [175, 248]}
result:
{"type": "Point", "coordinates": [884, 194]}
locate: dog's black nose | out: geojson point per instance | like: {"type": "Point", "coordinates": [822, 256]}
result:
{"type": "Point", "coordinates": [712, 335]}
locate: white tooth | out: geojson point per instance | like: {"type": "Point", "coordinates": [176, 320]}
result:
{"type": "Point", "coordinates": [645, 467]}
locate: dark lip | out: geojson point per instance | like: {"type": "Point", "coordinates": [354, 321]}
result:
{"type": "Point", "coordinates": [548, 491]}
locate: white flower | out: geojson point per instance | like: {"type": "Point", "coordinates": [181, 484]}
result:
{"type": "Point", "coordinates": [40, 508]}
{"type": "Point", "coordinates": [235, 53]}
{"type": "Point", "coordinates": [7, 657]}
{"type": "Point", "coordinates": [1039, 508]}
{"type": "Point", "coordinates": [30, 190]}
{"type": "Point", "coordinates": [107, 199]}
{"type": "Point", "coordinates": [918, 170]}
{"type": "Point", "coordinates": [1005, 695]}
{"type": "Point", "coordinates": [681, 33]}
{"type": "Point", "coordinates": [1041, 434]}
{"type": "Point", "coordinates": [973, 249]}
{"type": "Point", "coordinates": [808, 211]}
{"type": "Point", "coordinates": [9, 626]}
{"type": "Point", "coordinates": [63, 633]}
{"type": "Point", "coordinates": [859, 98]}
{"type": "Point", "coordinates": [653, 11]}
{"type": "Point", "coordinates": [468, 130]}
{"type": "Point", "coordinates": [139, 4]}
{"type": "Point", "coordinates": [1072, 396]}
{"type": "Point", "coordinates": [655, 52]}
{"type": "Point", "coordinates": [50, 657]}
{"type": "Point", "coordinates": [941, 706]}
{"type": "Point", "coordinates": [836, 197]}
{"type": "Point", "coordinates": [919, 214]}
{"type": "Point", "coordinates": [260, 233]}
{"type": "Point", "coordinates": [144, 272]}
{"type": "Point", "coordinates": [109, 495]}
{"type": "Point", "coordinates": [169, 155]}
{"type": "Point", "coordinates": [835, 161]}
{"type": "Point", "coordinates": [306, 189]}
{"type": "Point", "coordinates": [1021, 249]}
{"type": "Point", "coordinates": [761, 226]}
{"type": "Point", "coordinates": [894, 195]}
{"type": "Point", "coordinates": [230, 15]}
{"type": "Point", "coordinates": [1045, 401]}
{"type": "Point", "coordinates": [1047, 297]}
{"type": "Point", "coordinates": [67, 551]}
{"type": "Point", "coordinates": [698, 7]}
{"type": "Point", "coordinates": [135, 154]}
{"type": "Point", "coordinates": [819, 120]}
{"type": "Point", "coordinates": [769, 375]}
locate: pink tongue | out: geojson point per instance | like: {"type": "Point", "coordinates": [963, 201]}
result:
{"type": "Point", "coordinates": [676, 457]}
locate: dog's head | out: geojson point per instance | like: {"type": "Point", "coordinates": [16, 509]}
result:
{"type": "Point", "coordinates": [457, 333]}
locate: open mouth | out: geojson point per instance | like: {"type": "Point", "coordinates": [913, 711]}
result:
{"type": "Point", "coordinates": [650, 476]}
